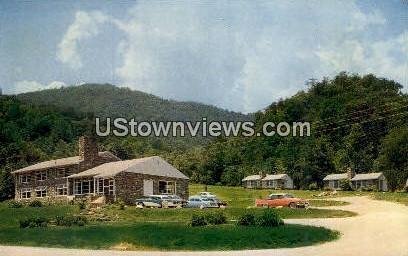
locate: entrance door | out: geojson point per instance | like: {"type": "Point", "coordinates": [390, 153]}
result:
{"type": "Point", "coordinates": [147, 187]}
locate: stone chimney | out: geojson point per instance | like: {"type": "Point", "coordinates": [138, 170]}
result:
{"type": "Point", "coordinates": [88, 150]}
{"type": "Point", "coordinates": [262, 174]}
{"type": "Point", "coordinates": [350, 173]}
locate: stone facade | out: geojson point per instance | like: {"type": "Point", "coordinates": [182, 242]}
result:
{"type": "Point", "coordinates": [54, 178]}
{"type": "Point", "coordinates": [130, 186]}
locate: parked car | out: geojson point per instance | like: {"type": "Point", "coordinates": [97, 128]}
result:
{"type": "Point", "coordinates": [200, 202]}
{"type": "Point", "coordinates": [149, 202]}
{"type": "Point", "coordinates": [207, 195]}
{"type": "Point", "coordinates": [282, 200]}
{"type": "Point", "coordinates": [170, 201]}
{"type": "Point", "coordinates": [178, 201]}
{"type": "Point", "coordinates": [221, 203]}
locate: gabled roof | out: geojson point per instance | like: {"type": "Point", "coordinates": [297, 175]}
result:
{"type": "Point", "coordinates": [154, 165]}
{"type": "Point", "coordinates": [367, 176]}
{"type": "Point", "coordinates": [275, 176]}
{"type": "Point", "coordinates": [63, 162]}
{"type": "Point", "coordinates": [336, 176]}
{"type": "Point", "coordinates": [252, 177]}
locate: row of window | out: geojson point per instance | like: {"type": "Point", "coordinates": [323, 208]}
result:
{"type": "Point", "coordinates": [42, 175]}
{"type": "Point", "coordinates": [62, 190]}
{"type": "Point", "coordinates": [99, 186]}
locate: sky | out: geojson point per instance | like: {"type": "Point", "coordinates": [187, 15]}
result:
{"type": "Point", "coordinates": [238, 55]}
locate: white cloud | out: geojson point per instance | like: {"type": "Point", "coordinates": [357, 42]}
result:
{"type": "Point", "coordinates": [240, 55]}
{"type": "Point", "coordinates": [29, 86]}
{"type": "Point", "coordinates": [85, 26]}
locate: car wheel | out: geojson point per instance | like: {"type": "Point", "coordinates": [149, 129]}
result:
{"type": "Point", "coordinates": [202, 207]}
{"type": "Point", "coordinates": [265, 206]}
{"type": "Point", "coordinates": [140, 205]}
{"type": "Point", "coordinates": [292, 205]}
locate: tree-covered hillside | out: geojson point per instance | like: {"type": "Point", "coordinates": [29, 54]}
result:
{"type": "Point", "coordinates": [357, 122]}
{"type": "Point", "coordinates": [105, 100]}
{"type": "Point", "coordinates": [29, 134]}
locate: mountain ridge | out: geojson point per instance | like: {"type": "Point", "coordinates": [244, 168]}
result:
{"type": "Point", "coordinates": [106, 100]}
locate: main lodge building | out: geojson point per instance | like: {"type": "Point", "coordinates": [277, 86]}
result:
{"type": "Point", "coordinates": [93, 174]}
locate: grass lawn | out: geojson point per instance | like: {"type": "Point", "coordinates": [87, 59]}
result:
{"type": "Point", "coordinates": [168, 236]}
{"type": "Point", "coordinates": [398, 197]}
{"type": "Point", "coordinates": [167, 229]}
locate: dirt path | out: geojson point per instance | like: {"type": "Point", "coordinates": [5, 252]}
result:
{"type": "Point", "coordinates": [380, 229]}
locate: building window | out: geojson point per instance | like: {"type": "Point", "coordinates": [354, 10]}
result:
{"type": "Point", "coordinates": [62, 190]}
{"type": "Point", "coordinates": [167, 187]}
{"type": "Point", "coordinates": [83, 187]}
{"type": "Point", "coordinates": [41, 192]}
{"type": "Point", "coordinates": [41, 176]}
{"type": "Point", "coordinates": [25, 178]}
{"type": "Point", "coordinates": [105, 186]}
{"type": "Point", "coordinates": [25, 193]}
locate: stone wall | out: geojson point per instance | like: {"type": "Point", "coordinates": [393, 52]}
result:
{"type": "Point", "coordinates": [129, 186]}
{"type": "Point", "coordinates": [53, 180]}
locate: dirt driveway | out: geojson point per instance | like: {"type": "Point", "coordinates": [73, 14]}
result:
{"type": "Point", "coordinates": [380, 229]}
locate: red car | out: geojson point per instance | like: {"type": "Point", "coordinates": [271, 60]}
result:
{"type": "Point", "coordinates": [282, 200]}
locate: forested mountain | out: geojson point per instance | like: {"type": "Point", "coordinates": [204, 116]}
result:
{"type": "Point", "coordinates": [29, 134]}
{"type": "Point", "coordinates": [356, 122]}
{"type": "Point", "coordinates": [105, 100]}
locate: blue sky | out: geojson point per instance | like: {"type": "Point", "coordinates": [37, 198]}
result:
{"type": "Point", "coordinates": [239, 55]}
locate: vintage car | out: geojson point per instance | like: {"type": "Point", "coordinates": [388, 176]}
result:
{"type": "Point", "coordinates": [170, 201]}
{"type": "Point", "coordinates": [148, 202]}
{"type": "Point", "coordinates": [282, 200]}
{"type": "Point", "coordinates": [207, 195]}
{"type": "Point", "coordinates": [201, 202]}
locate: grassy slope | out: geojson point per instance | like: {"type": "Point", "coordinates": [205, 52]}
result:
{"type": "Point", "coordinates": [169, 236]}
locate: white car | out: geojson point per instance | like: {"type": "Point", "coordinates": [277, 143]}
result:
{"type": "Point", "coordinates": [207, 195]}
{"type": "Point", "coordinates": [201, 202]}
{"type": "Point", "coordinates": [170, 201]}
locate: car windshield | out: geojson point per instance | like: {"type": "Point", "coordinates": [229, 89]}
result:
{"type": "Point", "coordinates": [288, 196]}
{"type": "Point", "coordinates": [208, 199]}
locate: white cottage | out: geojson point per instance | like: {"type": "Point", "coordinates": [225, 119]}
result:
{"type": "Point", "coordinates": [333, 181]}
{"type": "Point", "coordinates": [366, 180]}
{"type": "Point", "coordinates": [277, 181]}
{"type": "Point", "coordinates": [252, 181]}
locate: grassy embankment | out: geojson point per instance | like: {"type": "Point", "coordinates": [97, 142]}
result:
{"type": "Point", "coordinates": [166, 229]}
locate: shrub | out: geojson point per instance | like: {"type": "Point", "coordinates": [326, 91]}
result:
{"type": "Point", "coordinates": [121, 205]}
{"type": "Point", "coordinates": [216, 218]}
{"type": "Point", "coordinates": [15, 204]}
{"type": "Point", "coordinates": [269, 218]}
{"type": "Point", "coordinates": [247, 219]}
{"type": "Point", "coordinates": [198, 220]}
{"type": "Point", "coordinates": [35, 203]}
{"type": "Point", "coordinates": [70, 221]}
{"type": "Point", "coordinates": [82, 205]}
{"type": "Point", "coordinates": [313, 186]}
{"type": "Point", "coordinates": [345, 185]}
{"type": "Point", "coordinates": [33, 222]}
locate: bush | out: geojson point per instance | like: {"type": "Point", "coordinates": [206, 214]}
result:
{"type": "Point", "coordinates": [121, 205]}
{"type": "Point", "coordinates": [216, 218]}
{"type": "Point", "coordinates": [15, 204]}
{"type": "Point", "coordinates": [82, 205]}
{"type": "Point", "coordinates": [247, 219]}
{"type": "Point", "coordinates": [345, 185]}
{"type": "Point", "coordinates": [198, 220]}
{"type": "Point", "coordinates": [313, 186]}
{"type": "Point", "coordinates": [68, 221]}
{"type": "Point", "coordinates": [33, 222]}
{"type": "Point", "coordinates": [269, 218]}
{"type": "Point", "coordinates": [35, 203]}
